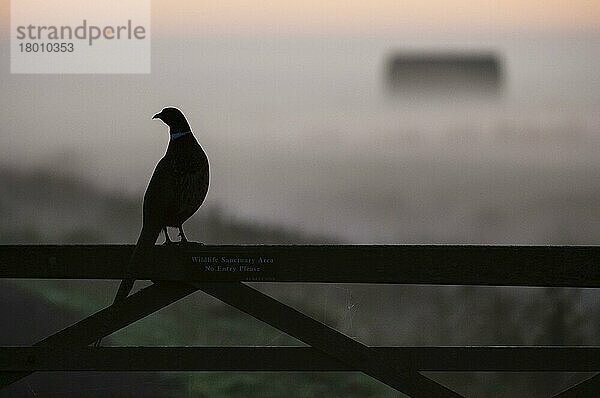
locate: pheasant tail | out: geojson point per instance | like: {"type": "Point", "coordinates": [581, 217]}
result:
{"type": "Point", "coordinates": [145, 242]}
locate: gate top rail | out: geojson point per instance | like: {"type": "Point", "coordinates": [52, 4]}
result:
{"type": "Point", "coordinates": [559, 266]}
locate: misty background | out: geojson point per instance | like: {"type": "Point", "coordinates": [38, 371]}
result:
{"type": "Point", "coordinates": [302, 132]}
{"type": "Point", "coordinates": [308, 145]}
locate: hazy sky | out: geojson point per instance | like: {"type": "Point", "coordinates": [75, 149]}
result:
{"type": "Point", "coordinates": [287, 99]}
{"type": "Point", "coordinates": [310, 16]}
{"type": "Point", "coordinates": [191, 17]}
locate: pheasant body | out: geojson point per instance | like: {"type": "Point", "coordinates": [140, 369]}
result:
{"type": "Point", "coordinates": [175, 192]}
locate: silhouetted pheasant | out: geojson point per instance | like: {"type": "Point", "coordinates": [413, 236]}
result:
{"type": "Point", "coordinates": [176, 190]}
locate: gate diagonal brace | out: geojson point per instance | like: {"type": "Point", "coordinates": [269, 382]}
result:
{"type": "Point", "coordinates": [586, 389]}
{"type": "Point", "coordinates": [109, 320]}
{"type": "Point", "coordinates": [324, 339]}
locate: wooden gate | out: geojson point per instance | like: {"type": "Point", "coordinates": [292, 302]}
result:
{"type": "Point", "coordinates": [221, 271]}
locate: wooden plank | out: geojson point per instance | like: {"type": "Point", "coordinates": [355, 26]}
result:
{"type": "Point", "coordinates": [589, 388]}
{"type": "Point", "coordinates": [109, 320]}
{"type": "Point", "coordinates": [325, 339]}
{"type": "Point", "coordinates": [297, 359]}
{"type": "Point", "coordinates": [574, 266]}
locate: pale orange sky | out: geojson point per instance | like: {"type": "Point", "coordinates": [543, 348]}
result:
{"type": "Point", "coordinates": [310, 16]}
{"type": "Point", "coordinates": [189, 17]}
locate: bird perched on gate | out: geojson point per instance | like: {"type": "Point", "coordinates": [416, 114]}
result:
{"type": "Point", "coordinates": [176, 190]}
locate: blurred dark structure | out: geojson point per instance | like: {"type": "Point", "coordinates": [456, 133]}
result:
{"type": "Point", "coordinates": [444, 73]}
